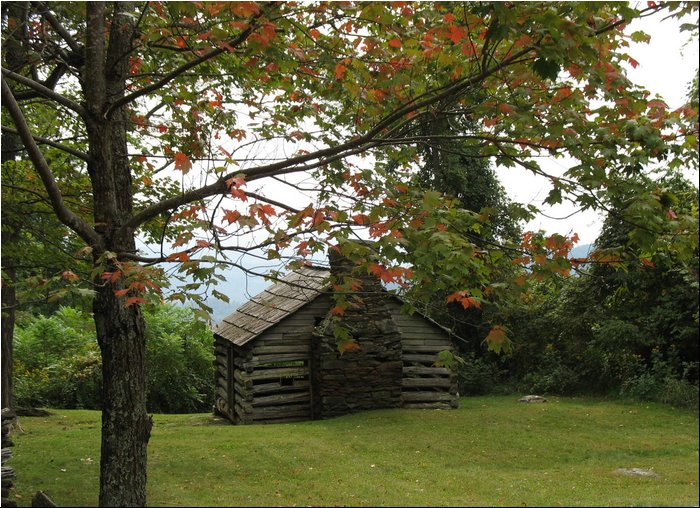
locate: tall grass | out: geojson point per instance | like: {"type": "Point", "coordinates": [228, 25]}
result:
{"type": "Point", "coordinates": [490, 452]}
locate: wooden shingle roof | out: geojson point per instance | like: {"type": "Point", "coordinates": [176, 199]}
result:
{"type": "Point", "coordinates": [275, 303]}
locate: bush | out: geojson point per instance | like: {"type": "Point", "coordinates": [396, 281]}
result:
{"type": "Point", "coordinates": [661, 383]}
{"type": "Point", "coordinates": [180, 355]}
{"type": "Point", "coordinates": [477, 376]}
{"type": "Point", "coordinates": [57, 361]}
{"type": "Point", "coordinates": [553, 376]}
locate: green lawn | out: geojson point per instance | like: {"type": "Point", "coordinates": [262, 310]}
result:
{"type": "Point", "coordinates": [492, 451]}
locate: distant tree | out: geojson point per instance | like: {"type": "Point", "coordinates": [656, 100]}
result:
{"type": "Point", "coordinates": [618, 320]}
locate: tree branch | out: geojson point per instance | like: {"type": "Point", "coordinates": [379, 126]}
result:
{"type": "Point", "coordinates": [43, 9]}
{"type": "Point", "coordinates": [46, 92]}
{"type": "Point", "coordinates": [183, 68]}
{"type": "Point", "coordinates": [45, 141]}
{"type": "Point", "coordinates": [50, 83]}
{"type": "Point", "coordinates": [64, 214]}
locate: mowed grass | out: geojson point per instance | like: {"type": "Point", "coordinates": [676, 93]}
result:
{"type": "Point", "coordinates": [492, 451]}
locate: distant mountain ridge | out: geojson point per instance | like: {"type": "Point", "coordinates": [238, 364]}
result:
{"type": "Point", "coordinates": [581, 251]}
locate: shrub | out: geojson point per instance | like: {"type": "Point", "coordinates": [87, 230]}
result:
{"type": "Point", "coordinates": [180, 356]}
{"type": "Point", "coordinates": [553, 375]}
{"type": "Point", "coordinates": [661, 383]}
{"type": "Point", "coordinates": [57, 361]}
{"type": "Point", "coordinates": [477, 376]}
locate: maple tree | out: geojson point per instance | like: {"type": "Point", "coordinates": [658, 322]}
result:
{"type": "Point", "coordinates": [187, 116]}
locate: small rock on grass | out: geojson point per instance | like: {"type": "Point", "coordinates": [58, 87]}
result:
{"type": "Point", "coordinates": [529, 399]}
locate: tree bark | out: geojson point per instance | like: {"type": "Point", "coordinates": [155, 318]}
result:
{"type": "Point", "coordinates": [126, 425]}
{"type": "Point", "coordinates": [10, 144]}
{"type": "Point", "coordinates": [9, 301]}
{"type": "Point", "coordinates": [120, 329]}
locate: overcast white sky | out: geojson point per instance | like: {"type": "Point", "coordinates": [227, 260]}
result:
{"type": "Point", "coordinates": [666, 67]}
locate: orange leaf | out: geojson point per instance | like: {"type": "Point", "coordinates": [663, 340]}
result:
{"type": "Point", "coordinates": [505, 108]}
{"type": "Point", "coordinates": [348, 346]}
{"type": "Point", "coordinates": [245, 9]}
{"type": "Point", "coordinates": [457, 33]}
{"type": "Point", "coordinates": [231, 216]}
{"type": "Point", "coordinates": [395, 42]}
{"type": "Point", "coordinates": [178, 256]}
{"type": "Point", "coordinates": [361, 218]}
{"type": "Point", "coordinates": [182, 162]}
{"type": "Point", "coordinates": [496, 338]}
{"type": "Point", "coordinates": [540, 259]}
{"type": "Point", "coordinates": [134, 300]}
{"type": "Point", "coordinates": [340, 71]}
{"type": "Point", "coordinates": [656, 104]}
{"type": "Point", "coordinates": [68, 275]}
{"type": "Point", "coordinates": [338, 310]}
{"type": "Point", "coordinates": [319, 217]}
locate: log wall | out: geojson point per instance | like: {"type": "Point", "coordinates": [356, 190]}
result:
{"type": "Point", "coordinates": [269, 376]}
{"type": "Point", "coordinates": [424, 385]}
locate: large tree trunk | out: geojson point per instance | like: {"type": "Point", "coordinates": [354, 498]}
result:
{"type": "Point", "coordinates": [126, 425]}
{"type": "Point", "coordinates": [120, 330]}
{"type": "Point", "coordinates": [9, 301]}
{"type": "Point", "coordinates": [10, 144]}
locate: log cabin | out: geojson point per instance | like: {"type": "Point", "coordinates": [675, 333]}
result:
{"type": "Point", "coordinates": [277, 358]}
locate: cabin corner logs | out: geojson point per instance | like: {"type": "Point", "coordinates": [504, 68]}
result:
{"type": "Point", "coordinates": [277, 359]}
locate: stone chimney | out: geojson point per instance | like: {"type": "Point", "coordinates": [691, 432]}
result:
{"type": "Point", "coordinates": [365, 378]}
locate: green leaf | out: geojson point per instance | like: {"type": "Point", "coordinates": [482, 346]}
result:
{"type": "Point", "coordinates": [546, 69]}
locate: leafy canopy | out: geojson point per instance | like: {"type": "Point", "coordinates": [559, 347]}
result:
{"type": "Point", "coordinates": [292, 127]}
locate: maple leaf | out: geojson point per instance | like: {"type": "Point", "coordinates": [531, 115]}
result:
{"type": "Point", "coordinates": [318, 217]}
{"type": "Point", "coordinates": [540, 259]}
{"type": "Point", "coordinates": [647, 262]}
{"type": "Point", "coordinates": [231, 216]}
{"type": "Point", "coordinates": [134, 65]}
{"type": "Point", "coordinates": [244, 9]}
{"type": "Point", "coordinates": [134, 300]}
{"type": "Point", "coordinates": [178, 256]}
{"type": "Point", "coordinates": [235, 183]}
{"type": "Point", "coordinates": [111, 276]}
{"type": "Point", "coordinates": [497, 340]}
{"type": "Point", "coordinates": [237, 134]}
{"type": "Point", "coordinates": [340, 71]}
{"type": "Point", "coordinates": [463, 298]}
{"type": "Point", "coordinates": [68, 275]}
{"type": "Point", "coordinates": [505, 108]}
{"type": "Point", "coordinates": [338, 310]}
{"type": "Point", "coordinates": [457, 33]}
{"type": "Point", "coordinates": [182, 162]}
{"type": "Point", "coordinates": [348, 346]}
{"type": "Point", "coordinates": [360, 218]}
